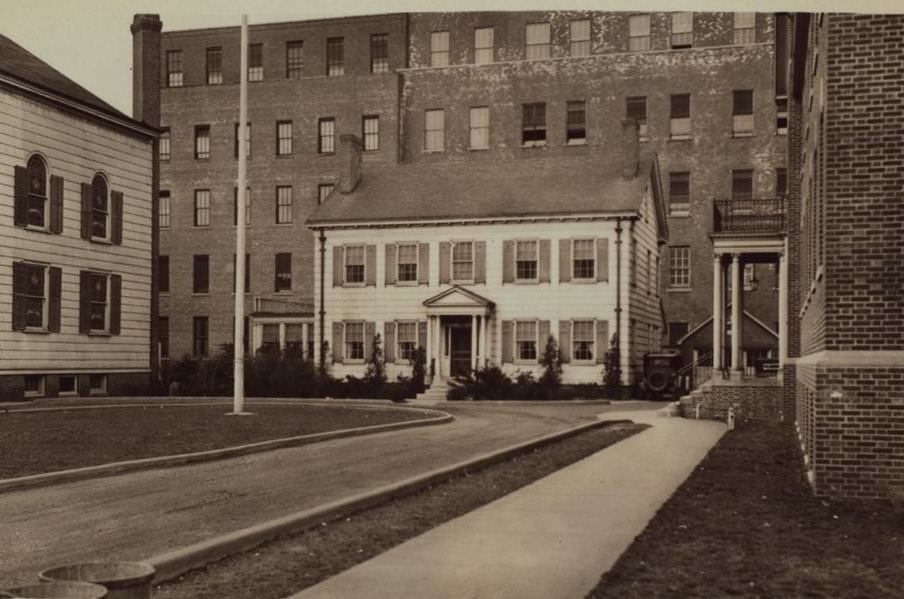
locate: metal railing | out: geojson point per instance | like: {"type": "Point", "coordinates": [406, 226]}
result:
{"type": "Point", "coordinates": [690, 376]}
{"type": "Point", "coordinates": [749, 215]}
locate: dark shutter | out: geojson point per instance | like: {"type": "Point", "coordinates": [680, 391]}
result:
{"type": "Point", "coordinates": [422, 334]}
{"type": "Point", "coordinates": [370, 268]}
{"type": "Point", "coordinates": [84, 297]}
{"type": "Point", "coordinates": [86, 211]}
{"type": "Point", "coordinates": [565, 340]}
{"type": "Point", "coordinates": [508, 341]}
{"type": "Point", "coordinates": [444, 261]}
{"type": "Point", "coordinates": [542, 337]}
{"type": "Point", "coordinates": [337, 342]}
{"type": "Point", "coordinates": [20, 211]}
{"type": "Point", "coordinates": [390, 266]}
{"type": "Point", "coordinates": [338, 265]}
{"type": "Point", "coordinates": [115, 303]}
{"type": "Point", "coordinates": [480, 261]}
{"type": "Point", "coordinates": [116, 199]}
{"type": "Point", "coordinates": [370, 331]}
{"type": "Point", "coordinates": [544, 260]}
{"type": "Point", "coordinates": [564, 260]}
{"type": "Point", "coordinates": [602, 340]}
{"type": "Point", "coordinates": [20, 286]}
{"type": "Point", "coordinates": [602, 259]}
{"type": "Point", "coordinates": [53, 307]}
{"type": "Point", "coordinates": [508, 261]}
{"type": "Point", "coordinates": [56, 204]}
{"type": "Point", "coordinates": [389, 341]}
{"type": "Point", "coordinates": [423, 263]}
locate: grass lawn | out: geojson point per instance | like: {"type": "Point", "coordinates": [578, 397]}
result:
{"type": "Point", "coordinates": [746, 524]}
{"type": "Point", "coordinates": [36, 442]}
{"type": "Point", "coordinates": [293, 563]}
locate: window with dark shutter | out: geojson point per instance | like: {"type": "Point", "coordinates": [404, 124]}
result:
{"type": "Point", "coordinates": [56, 204]}
{"type": "Point", "coordinates": [116, 199]}
{"type": "Point", "coordinates": [115, 303]}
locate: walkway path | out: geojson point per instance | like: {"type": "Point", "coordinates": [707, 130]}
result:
{"type": "Point", "coordinates": [554, 538]}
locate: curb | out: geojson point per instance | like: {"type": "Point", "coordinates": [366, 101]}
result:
{"type": "Point", "coordinates": [75, 474]}
{"type": "Point", "coordinates": [172, 564]}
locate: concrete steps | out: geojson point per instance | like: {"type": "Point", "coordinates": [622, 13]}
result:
{"type": "Point", "coordinates": [435, 394]}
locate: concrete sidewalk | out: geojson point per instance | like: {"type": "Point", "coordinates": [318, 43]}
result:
{"type": "Point", "coordinates": [553, 538]}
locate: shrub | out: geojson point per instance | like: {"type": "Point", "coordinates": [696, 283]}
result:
{"type": "Point", "coordinates": [611, 366]}
{"type": "Point", "coordinates": [375, 375]}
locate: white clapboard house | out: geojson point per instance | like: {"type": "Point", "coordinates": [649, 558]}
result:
{"type": "Point", "coordinates": [76, 180]}
{"type": "Point", "coordinates": [479, 263]}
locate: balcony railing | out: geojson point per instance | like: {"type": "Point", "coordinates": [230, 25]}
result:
{"type": "Point", "coordinates": [749, 215]}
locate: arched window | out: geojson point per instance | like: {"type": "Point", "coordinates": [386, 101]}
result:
{"type": "Point", "coordinates": [100, 207]}
{"type": "Point", "coordinates": [37, 191]}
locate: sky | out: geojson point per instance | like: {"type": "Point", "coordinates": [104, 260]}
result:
{"type": "Point", "coordinates": [89, 40]}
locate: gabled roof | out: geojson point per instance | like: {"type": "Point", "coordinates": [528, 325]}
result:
{"type": "Point", "coordinates": [528, 187]}
{"type": "Point", "coordinates": [458, 296]}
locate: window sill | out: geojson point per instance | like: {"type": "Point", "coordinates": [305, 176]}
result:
{"type": "Point", "coordinates": [283, 292]}
{"type": "Point", "coordinates": [680, 213]}
{"type": "Point", "coordinates": [426, 151]}
{"type": "Point", "coordinates": [35, 331]}
{"type": "Point", "coordinates": [202, 159]}
{"type": "Point", "coordinates": [200, 293]}
{"type": "Point", "coordinates": [99, 334]}
{"type": "Point", "coordinates": [534, 144]}
{"type": "Point", "coordinates": [200, 226]}
{"type": "Point", "coordinates": [406, 283]}
{"type": "Point", "coordinates": [466, 282]}
{"type": "Point", "coordinates": [679, 289]}
{"type": "Point", "coordinates": [736, 134]}
{"type": "Point", "coordinates": [353, 362]}
{"type": "Point", "coordinates": [37, 229]}
{"type": "Point", "coordinates": [354, 285]}
{"type": "Point", "coordinates": [576, 362]}
{"type": "Point", "coordinates": [101, 241]}
{"type": "Point", "coordinates": [585, 281]}
{"type": "Point", "coordinates": [289, 224]}
{"type": "Point", "coordinates": [484, 149]}
{"type": "Point", "coordinates": [680, 137]}
{"type": "Point", "coordinates": [521, 362]}
{"type": "Point", "coordinates": [643, 138]}
{"type": "Point", "coordinates": [326, 153]}
{"type": "Point", "coordinates": [526, 281]}
{"type": "Point", "coordinates": [782, 132]}
{"type": "Point", "coordinates": [284, 156]}
{"type": "Point", "coordinates": [576, 142]}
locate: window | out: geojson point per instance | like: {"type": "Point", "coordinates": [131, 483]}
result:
{"type": "Point", "coordinates": [335, 56]}
{"type": "Point", "coordinates": [742, 112]}
{"type": "Point", "coordinates": [164, 210]}
{"type": "Point", "coordinates": [283, 269]}
{"type": "Point", "coordinates": [202, 142]}
{"type": "Point", "coordinates": [354, 264]}
{"type": "Point", "coordinates": [214, 66]}
{"type": "Point", "coordinates": [533, 129]}
{"type": "Point", "coordinates": [295, 338]}
{"type": "Point", "coordinates": [576, 123]}
{"type": "Point", "coordinates": [163, 274]}
{"type": "Point", "coordinates": [201, 273]}
{"type": "Point", "coordinates": [283, 204]}
{"type": "Point", "coordinates": [537, 41]}
{"type": "Point", "coordinates": [636, 108]}
{"type": "Point", "coordinates": [370, 127]}
{"type": "Point", "coordinates": [679, 193]}
{"type": "Point", "coordinates": [580, 38]}
{"type": "Point", "coordinates": [526, 260]}
{"type": "Point", "coordinates": [439, 48]}
{"type": "Point", "coordinates": [744, 32]}
{"type": "Point", "coordinates": [638, 33]}
{"type": "Point", "coordinates": [68, 384]}
{"type": "Point", "coordinates": [97, 384]}
{"type": "Point", "coordinates": [202, 207]}
{"type": "Point", "coordinates": [284, 138]}
{"type": "Point", "coordinates": [584, 259]}
{"type": "Point", "coordinates": [582, 339]}
{"type": "Point", "coordinates": [480, 128]}
{"type": "Point", "coordinates": [781, 182]}
{"type": "Point", "coordinates": [434, 130]}
{"type": "Point", "coordinates": [407, 262]}
{"type": "Point", "coordinates": [326, 140]}
{"type": "Point", "coordinates": [324, 190]}
{"type": "Point", "coordinates": [526, 340]}
{"type": "Point", "coordinates": [164, 147]}
{"type": "Point", "coordinates": [781, 116]}
{"type": "Point", "coordinates": [36, 171]}
{"type": "Point", "coordinates": [379, 53]}
{"type": "Point", "coordinates": [34, 385]}
{"type": "Point", "coordinates": [255, 62]}
{"type": "Point", "coordinates": [247, 273]}
{"type": "Point", "coordinates": [682, 30]}
{"type": "Point", "coordinates": [294, 59]}
{"type": "Point", "coordinates": [174, 68]}
{"type": "Point", "coordinates": [680, 116]}
{"type": "Point", "coordinates": [30, 296]}
{"type": "Point", "coordinates": [100, 208]}
{"type": "Point", "coordinates": [354, 340]}
{"type": "Point", "coordinates": [98, 302]}
{"type": "Point", "coordinates": [199, 336]}
{"type": "Point", "coordinates": [483, 45]}
{"type": "Point", "coordinates": [680, 266]}
{"type": "Point", "coordinates": [750, 277]}
{"type": "Point", "coordinates": [163, 336]}
{"type": "Point", "coordinates": [677, 330]}
{"type": "Point", "coordinates": [235, 206]}
{"type": "Point", "coordinates": [741, 185]}
{"type": "Point", "coordinates": [269, 338]}
{"type": "Point", "coordinates": [406, 335]}
{"type": "Point", "coordinates": [462, 261]}
{"type": "Point", "coordinates": [235, 141]}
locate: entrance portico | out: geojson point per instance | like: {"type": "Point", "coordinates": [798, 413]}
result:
{"type": "Point", "coordinates": [457, 332]}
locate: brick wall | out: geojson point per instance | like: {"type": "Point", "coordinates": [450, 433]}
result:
{"type": "Point", "coordinates": [750, 402]}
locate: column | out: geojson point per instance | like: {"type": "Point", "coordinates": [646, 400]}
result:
{"type": "Point", "coordinates": [484, 342]}
{"type": "Point", "coordinates": [782, 308]}
{"type": "Point", "coordinates": [282, 336]}
{"type": "Point", "coordinates": [718, 312]}
{"type": "Point", "coordinates": [429, 349]}
{"type": "Point", "coordinates": [737, 310]}
{"type": "Point", "coordinates": [473, 341]}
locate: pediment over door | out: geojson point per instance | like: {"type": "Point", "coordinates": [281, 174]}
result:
{"type": "Point", "coordinates": [458, 300]}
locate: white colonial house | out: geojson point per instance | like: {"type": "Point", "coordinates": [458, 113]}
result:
{"type": "Point", "coordinates": [76, 178]}
{"type": "Point", "coordinates": [480, 263]}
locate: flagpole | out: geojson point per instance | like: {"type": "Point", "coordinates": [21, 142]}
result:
{"type": "Point", "coordinates": [239, 344]}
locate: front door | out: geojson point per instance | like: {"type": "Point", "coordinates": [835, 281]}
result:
{"type": "Point", "coordinates": [460, 350]}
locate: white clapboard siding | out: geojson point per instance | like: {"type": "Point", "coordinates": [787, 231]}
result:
{"type": "Point", "coordinates": [76, 149]}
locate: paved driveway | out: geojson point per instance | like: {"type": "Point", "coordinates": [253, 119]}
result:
{"type": "Point", "coordinates": [141, 514]}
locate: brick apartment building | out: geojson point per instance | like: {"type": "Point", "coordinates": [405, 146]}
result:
{"type": "Point", "coordinates": [846, 242]}
{"type": "Point", "coordinates": [431, 88]}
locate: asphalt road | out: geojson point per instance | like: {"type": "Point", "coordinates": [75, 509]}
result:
{"type": "Point", "coordinates": [141, 514]}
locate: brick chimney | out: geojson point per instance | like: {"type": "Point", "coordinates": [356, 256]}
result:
{"type": "Point", "coordinates": [146, 68]}
{"type": "Point", "coordinates": [630, 148]}
{"type": "Point", "coordinates": [350, 148]}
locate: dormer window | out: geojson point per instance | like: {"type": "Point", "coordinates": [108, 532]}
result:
{"type": "Point", "coordinates": [100, 208]}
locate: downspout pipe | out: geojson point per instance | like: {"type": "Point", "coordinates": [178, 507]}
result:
{"type": "Point", "coordinates": [618, 308]}
{"type": "Point", "coordinates": [322, 312]}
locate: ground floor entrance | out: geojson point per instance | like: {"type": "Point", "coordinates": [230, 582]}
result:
{"type": "Point", "coordinates": [457, 332]}
{"type": "Point", "coordinates": [459, 346]}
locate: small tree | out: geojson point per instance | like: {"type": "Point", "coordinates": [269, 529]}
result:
{"type": "Point", "coordinates": [375, 375]}
{"type": "Point", "coordinates": [418, 370]}
{"type": "Point", "coordinates": [551, 379]}
{"type": "Point", "coordinates": [611, 365]}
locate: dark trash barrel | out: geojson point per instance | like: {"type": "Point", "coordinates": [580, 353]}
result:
{"type": "Point", "coordinates": [57, 590]}
{"type": "Point", "coordinates": [123, 580]}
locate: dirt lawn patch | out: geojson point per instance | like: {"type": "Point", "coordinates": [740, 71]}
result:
{"type": "Point", "coordinates": [745, 524]}
{"type": "Point", "coordinates": [47, 441]}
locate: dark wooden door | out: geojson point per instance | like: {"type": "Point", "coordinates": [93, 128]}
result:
{"type": "Point", "coordinates": [460, 351]}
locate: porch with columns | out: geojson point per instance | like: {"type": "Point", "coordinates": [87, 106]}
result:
{"type": "Point", "coordinates": [458, 332]}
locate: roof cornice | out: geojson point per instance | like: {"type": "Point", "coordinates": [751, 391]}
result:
{"type": "Point", "coordinates": [471, 221]}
